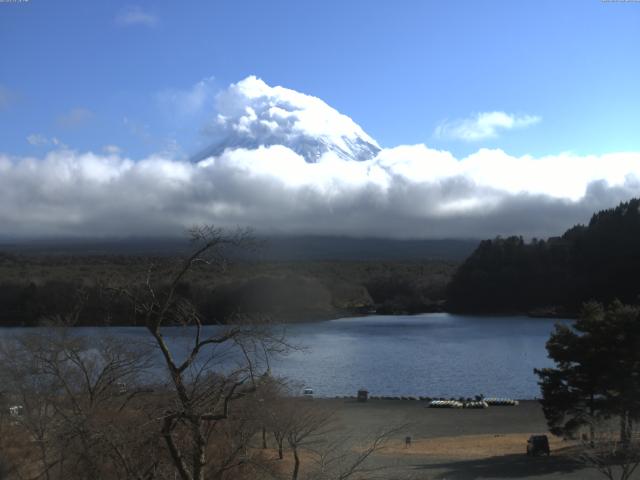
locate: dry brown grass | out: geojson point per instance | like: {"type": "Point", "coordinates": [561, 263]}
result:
{"type": "Point", "coordinates": [469, 447]}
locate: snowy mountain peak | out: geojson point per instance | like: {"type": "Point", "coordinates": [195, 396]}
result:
{"type": "Point", "coordinates": [253, 114]}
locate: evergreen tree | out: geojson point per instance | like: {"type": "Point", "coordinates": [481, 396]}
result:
{"type": "Point", "coordinates": [599, 261]}
{"type": "Point", "coordinates": [597, 372]}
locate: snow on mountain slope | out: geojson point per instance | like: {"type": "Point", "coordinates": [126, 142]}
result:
{"type": "Point", "coordinates": [253, 114]}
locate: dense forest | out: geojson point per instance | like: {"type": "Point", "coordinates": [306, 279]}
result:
{"type": "Point", "coordinates": [599, 261]}
{"type": "Point", "coordinates": [280, 278]}
{"type": "Point", "coordinates": [35, 289]}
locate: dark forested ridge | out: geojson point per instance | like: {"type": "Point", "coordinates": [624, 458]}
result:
{"type": "Point", "coordinates": [287, 279]}
{"type": "Point", "coordinates": [291, 248]}
{"type": "Point", "coordinates": [33, 289]}
{"type": "Point", "coordinates": [600, 261]}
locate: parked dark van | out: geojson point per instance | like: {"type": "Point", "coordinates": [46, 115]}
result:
{"type": "Point", "coordinates": [538, 445]}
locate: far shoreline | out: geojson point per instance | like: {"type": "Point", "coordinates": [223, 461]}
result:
{"type": "Point", "coordinates": [314, 318]}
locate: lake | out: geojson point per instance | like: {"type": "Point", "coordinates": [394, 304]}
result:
{"type": "Point", "coordinates": [435, 355]}
{"type": "Point", "coordinates": [431, 355]}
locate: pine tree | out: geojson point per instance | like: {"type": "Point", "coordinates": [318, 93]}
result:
{"type": "Point", "coordinates": [597, 372]}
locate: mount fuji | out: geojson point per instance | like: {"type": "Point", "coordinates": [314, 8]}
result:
{"type": "Point", "coordinates": [252, 114]}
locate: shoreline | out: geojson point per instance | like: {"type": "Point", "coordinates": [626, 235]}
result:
{"type": "Point", "coordinates": [316, 319]}
{"type": "Point", "coordinates": [424, 399]}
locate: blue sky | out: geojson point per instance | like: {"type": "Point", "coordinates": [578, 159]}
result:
{"type": "Point", "coordinates": [92, 74]}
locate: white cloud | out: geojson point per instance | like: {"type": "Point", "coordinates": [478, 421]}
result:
{"type": "Point", "coordinates": [190, 101]}
{"type": "Point", "coordinates": [261, 179]}
{"type": "Point", "coordinates": [410, 191]}
{"type": "Point", "coordinates": [58, 144]}
{"type": "Point", "coordinates": [135, 15]}
{"type": "Point", "coordinates": [482, 126]}
{"type": "Point", "coordinates": [76, 117]}
{"type": "Point", "coordinates": [111, 149]}
{"type": "Point", "coordinates": [37, 140]}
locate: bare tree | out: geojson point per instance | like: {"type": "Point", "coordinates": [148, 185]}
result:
{"type": "Point", "coordinates": [313, 437]}
{"type": "Point", "coordinates": [266, 409]}
{"type": "Point", "coordinates": [307, 425]}
{"type": "Point", "coordinates": [614, 457]}
{"type": "Point", "coordinates": [26, 388]}
{"type": "Point", "coordinates": [70, 393]}
{"type": "Point", "coordinates": [271, 405]}
{"type": "Point", "coordinates": [203, 385]}
{"type": "Point", "coordinates": [343, 458]}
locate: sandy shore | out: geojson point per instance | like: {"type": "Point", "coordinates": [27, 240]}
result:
{"type": "Point", "coordinates": [459, 444]}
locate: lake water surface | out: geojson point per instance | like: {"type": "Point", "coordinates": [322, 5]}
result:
{"type": "Point", "coordinates": [431, 355]}
{"type": "Point", "coordinates": [423, 355]}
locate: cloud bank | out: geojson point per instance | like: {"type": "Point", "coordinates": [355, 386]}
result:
{"type": "Point", "coordinates": [482, 126]}
{"type": "Point", "coordinates": [404, 192]}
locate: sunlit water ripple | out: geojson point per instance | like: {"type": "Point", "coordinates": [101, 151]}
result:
{"type": "Point", "coordinates": [436, 355]}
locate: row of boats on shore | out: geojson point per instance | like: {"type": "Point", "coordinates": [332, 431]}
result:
{"type": "Point", "coordinates": [478, 402]}
{"type": "Point", "coordinates": [481, 403]}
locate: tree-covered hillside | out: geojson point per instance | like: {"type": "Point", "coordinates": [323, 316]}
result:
{"type": "Point", "coordinates": [600, 261]}
{"type": "Point", "coordinates": [35, 288]}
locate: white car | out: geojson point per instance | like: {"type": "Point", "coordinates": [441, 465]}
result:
{"type": "Point", "coordinates": [308, 392]}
